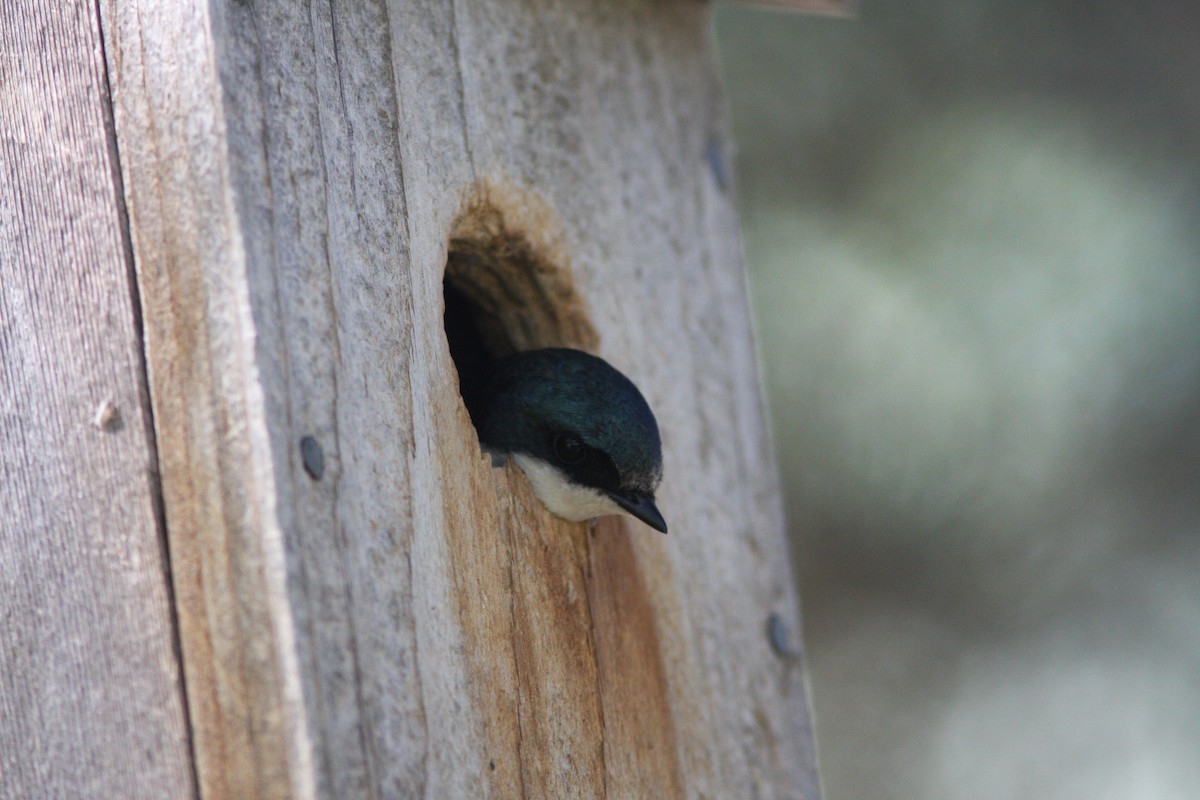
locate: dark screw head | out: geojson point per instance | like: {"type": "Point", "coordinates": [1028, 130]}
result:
{"type": "Point", "coordinates": [313, 457]}
{"type": "Point", "coordinates": [777, 634]}
{"type": "Point", "coordinates": [716, 164]}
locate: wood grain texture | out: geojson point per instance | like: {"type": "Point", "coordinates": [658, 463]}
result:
{"type": "Point", "coordinates": [91, 700]}
{"type": "Point", "coordinates": [412, 623]}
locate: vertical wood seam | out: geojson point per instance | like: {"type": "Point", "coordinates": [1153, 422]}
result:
{"type": "Point", "coordinates": [416, 666]}
{"type": "Point", "coordinates": [278, 657]}
{"type": "Point", "coordinates": [154, 477]}
{"type": "Point", "coordinates": [515, 638]}
{"type": "Point", "coordinates": [460, 83]}
{"type": "Point", "coordinates": [364, 718]}
{"type": "Point", "coordinates": [409, 309]}
{"type": "Point", "coordinates": [587, 598]}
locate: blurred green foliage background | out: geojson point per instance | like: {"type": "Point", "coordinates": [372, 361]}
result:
{"type": "Point", "coordinates": [972, 232]}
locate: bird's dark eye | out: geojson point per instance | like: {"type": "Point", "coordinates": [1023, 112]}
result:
{"type": "Point", "coordinates": [568, 448]}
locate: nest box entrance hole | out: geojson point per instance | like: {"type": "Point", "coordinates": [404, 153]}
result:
{"type": "Point", "coordinates": [507, 287]}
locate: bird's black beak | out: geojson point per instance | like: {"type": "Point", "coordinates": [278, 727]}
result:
{"type": "Point", "coordinates": [641, 506]}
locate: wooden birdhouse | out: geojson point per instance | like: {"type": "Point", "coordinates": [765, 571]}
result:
{"type": "Point", "coordinates": [251, 547]}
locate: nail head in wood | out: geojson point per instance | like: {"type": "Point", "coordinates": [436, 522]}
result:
{"type": "Point", "coordinates": [780, 638]}
{"type": "Point", "coordinates": [314, 458]}
{"type": "Point", "coordinates": [107, 417]}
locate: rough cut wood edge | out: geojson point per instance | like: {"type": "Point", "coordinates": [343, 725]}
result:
{"type": "Point", "coordinates": [91, 698]}
{"type": "Point", "coordinates": [406, 620]}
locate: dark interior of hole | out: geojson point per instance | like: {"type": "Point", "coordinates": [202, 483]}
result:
{"type": "Point", "coordinates": [472, 353]}
{"type": "Point", "coordinates": [502, 297]}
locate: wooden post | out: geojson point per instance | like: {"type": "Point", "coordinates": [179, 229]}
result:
{"type": "Point", "coordinates": [365, 606]}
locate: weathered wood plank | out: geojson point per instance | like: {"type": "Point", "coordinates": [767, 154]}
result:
{"type": "Point", "coordinates": [91, 700]}
{"type": "Point", "coordinates": [406, 620]}
{"type": "Point", "coordinates": [209, 390]}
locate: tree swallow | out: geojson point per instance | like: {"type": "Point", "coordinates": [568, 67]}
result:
{"type": "Point", "coordinates": [579, 430]}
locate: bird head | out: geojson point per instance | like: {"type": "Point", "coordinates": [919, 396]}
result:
{"type": "Point", "coordinates": [579, 429]}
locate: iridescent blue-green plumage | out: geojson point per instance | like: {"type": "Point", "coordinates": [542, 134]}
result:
{"type": "Point", "coordinates": [576, 413]}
